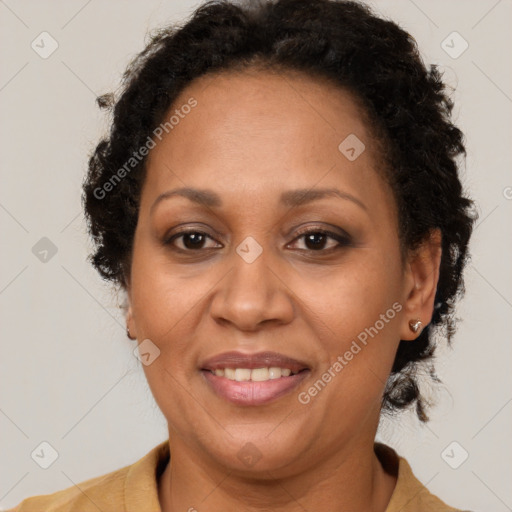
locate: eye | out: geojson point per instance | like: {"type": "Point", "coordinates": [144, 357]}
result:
{"type": "Point", "coordinates": [318, 240]}
{"type": "Point", "coordinates": [190, 240]}
{"type": "Point", "coordinates": [315, 240]}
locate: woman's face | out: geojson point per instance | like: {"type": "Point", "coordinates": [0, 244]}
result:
{"type": "Point", "coordinates": [248, 278]}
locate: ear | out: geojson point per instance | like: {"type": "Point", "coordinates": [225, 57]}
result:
{"type": "Point", "coordinates": [130, 323]}
{"type": "Point", "coordinates": [422, 276]}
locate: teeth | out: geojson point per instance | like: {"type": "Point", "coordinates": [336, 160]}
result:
{"type": "Point", "coordinates": [256, 375]}
{"type": "Point", "coordinates": [242, 374]}
{"type": "Point", "coordinates": [260, 374]}
{"type": "Point", "coordinates": [274, 373]}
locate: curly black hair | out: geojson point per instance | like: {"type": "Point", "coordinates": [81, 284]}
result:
{"type": "Point", "coordinates": [344, 42]}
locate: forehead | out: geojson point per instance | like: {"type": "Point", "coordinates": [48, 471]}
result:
{"type": "Point", "coordinates": [256, 129]}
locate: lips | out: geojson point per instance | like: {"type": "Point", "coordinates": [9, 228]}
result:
{"type": "Point", "coordinates": [251, 361]}
{"type": "Point", "coordinates": [251, 392]}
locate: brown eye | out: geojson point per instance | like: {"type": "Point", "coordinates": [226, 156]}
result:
{"type": "Point", "coordinates": [315, 241]}
{"type": "Point", "coordinates": [189, 240]}
{"type": "Point", "coordinates": [318, 240]}
{"type": "Point", "coordinates": [193, 240]}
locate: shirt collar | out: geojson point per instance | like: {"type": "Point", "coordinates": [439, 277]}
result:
{"type": "Point", "coordinates": [141, 483]}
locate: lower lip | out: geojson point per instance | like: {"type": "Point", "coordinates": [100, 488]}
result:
{"type": "Point", "coordinates": [253, 393]}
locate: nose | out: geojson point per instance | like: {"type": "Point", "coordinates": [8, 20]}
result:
{"type": "Point", "coordinates": [253, 294]}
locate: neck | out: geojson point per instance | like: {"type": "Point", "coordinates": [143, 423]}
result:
{"type": "Point", "coordinates": [351, 479]}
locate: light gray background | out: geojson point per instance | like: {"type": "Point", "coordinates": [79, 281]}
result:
{"type": "Point", "coordinates": [68, 375]}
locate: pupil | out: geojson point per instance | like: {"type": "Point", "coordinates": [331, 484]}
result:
{"type": "Point", "coordinates": [196, 240]}
{"type": "Point", "coordinates": [316, 240]}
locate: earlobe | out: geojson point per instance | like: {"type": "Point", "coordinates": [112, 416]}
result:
{"type": "Point", "coordinates": [423, 275]}
{"type": "Point", "coordinates": [130, 324]}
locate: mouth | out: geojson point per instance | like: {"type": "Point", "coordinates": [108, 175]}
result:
{"type": "Point", "coordinates": [253, 379]}
{"type": "Point", "coordinates": [255, 375]}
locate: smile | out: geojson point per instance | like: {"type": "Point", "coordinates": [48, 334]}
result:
{"type": "Point", "coordinates": [255, 375]}
{"type": "Point", "coordinates": [259, 386]}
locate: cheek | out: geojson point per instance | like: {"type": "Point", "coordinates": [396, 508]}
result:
{"type": "Point", "coordinates": [166, 309]}
{"type": "Point", "coordinates": [162, 295]}
{"type": "Point", "coordinates": [354, 312]}
{"type": "Point", "coordinates": [354, 316]}
{"type": "Point", "coordinates": [353, 296]}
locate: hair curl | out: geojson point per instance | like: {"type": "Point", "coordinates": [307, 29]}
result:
{"type": "Point", "coordinates": [339, 40]}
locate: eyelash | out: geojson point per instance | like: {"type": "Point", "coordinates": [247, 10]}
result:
{"type": "Point", "coordinates": [342, 240]}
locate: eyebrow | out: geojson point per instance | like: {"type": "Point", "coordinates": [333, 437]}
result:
{"type": "Point", "coordinates": [303, 195]}
{"type": "Point", "coordinates": [290, 198]}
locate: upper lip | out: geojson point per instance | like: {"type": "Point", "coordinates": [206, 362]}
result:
{"type": "Point", "coordinates": [258, 360]}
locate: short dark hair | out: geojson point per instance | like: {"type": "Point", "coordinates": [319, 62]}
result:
{"type": "Point", "coordinates": [344, 42]}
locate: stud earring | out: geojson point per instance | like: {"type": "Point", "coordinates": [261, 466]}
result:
{"type": "Point", "coordinates": [128, 333]}
{"type": "Point", "coordinates": [415, 325]}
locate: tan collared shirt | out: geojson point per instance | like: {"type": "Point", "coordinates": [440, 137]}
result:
{"type": "Point", "coordinates": [134, 488]}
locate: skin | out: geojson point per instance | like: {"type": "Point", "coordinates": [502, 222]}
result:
{"type": "Point", "coordinates": [252, 136]}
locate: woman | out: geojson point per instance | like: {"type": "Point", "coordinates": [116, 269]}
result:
{"type": "Point", "coordinates": [279, 199]}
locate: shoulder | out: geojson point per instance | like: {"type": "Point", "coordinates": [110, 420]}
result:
{"type": "Point", "coordinates": [133, 487]}
{"type": "Point", "coordinates": [99, 492]}
{"type": "Point", "coordinates": [410, 495]}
